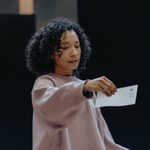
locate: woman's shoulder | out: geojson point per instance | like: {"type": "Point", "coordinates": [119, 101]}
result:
{"type": "Point", "coordinates": [56, 78]}
{"type": "Point", "coordinates": [45, 79]}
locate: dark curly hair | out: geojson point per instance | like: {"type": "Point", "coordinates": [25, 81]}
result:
{"type": "Point", "coordinates": [47, 40]}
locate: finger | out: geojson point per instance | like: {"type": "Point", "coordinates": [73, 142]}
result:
{"type": "Point", "coordinates": [102, 90]}
{"type": "Point", "coordinates": [110, 85]}
{"type": "Point", "coordinates": [105, 89]}
{"type": "Point", "coordinates": [106, 86]}
{"type": "Point", "coordinates": [106, 92]}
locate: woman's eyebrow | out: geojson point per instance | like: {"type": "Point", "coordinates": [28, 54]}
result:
{"type": "Point", "coordinates": [66, 42]}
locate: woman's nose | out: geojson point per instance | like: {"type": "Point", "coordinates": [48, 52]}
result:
{"type": "Point", "coordinates": [74, 52]}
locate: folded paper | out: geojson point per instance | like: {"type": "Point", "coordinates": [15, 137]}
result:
{"type": "Point", "coordinates": [123, 97]}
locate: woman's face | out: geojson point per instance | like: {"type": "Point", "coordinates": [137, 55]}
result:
{"type": "Point", "coordinates": [68, 57]}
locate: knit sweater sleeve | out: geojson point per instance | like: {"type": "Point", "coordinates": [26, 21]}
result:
{"type": "Point", "coordinates": [58, 105]}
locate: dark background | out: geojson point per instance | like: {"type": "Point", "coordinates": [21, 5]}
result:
{"type": "Point", "coordinates": [119, 33]}
{"type": "Point", "coordinates": [120, 36]}
{"type": "Point", "coordinates": [15, 82]}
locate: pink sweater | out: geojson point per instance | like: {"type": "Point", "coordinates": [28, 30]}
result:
{"type": "Point", "coordinates": [64, 119]}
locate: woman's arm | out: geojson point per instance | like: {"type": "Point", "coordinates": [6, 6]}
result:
{"type": "Point", "coordinates": [58, 106]}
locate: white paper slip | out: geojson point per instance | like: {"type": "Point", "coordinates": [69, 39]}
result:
{"type": "Point", "coordinates": [123, 97]}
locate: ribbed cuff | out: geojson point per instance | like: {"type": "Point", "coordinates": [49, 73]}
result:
{"type": "Point", "coordinates": [88, 94]}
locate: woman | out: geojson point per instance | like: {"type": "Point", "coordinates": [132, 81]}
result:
{"type": "Point", "coordinates": [64, 116]}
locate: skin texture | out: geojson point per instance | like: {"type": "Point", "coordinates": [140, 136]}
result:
{"type": "Point", "coordinates": [101, 84]}
{"type": "Point", "coordinates": [45, 42]}
{"type": "Point", "coordinates": [67, 59]}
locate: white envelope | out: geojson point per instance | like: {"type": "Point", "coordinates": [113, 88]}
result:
{"type": "Point", "coordinates": [123, 97]}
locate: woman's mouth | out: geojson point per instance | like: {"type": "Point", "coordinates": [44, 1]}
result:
{"type": "Point", "coordinates": [73, 61]}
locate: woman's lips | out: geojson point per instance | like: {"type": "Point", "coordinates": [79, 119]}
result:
{"type": "Point", "coordinates": [73, 61]}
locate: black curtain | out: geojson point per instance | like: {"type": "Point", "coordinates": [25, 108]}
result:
{"type": "Point", "coordinates": [119, 32]}
{"type": "Point", "coordinates": [15, 82]}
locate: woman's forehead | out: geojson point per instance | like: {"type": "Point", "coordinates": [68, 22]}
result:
{"type": "Point", "coordinates": [69, 36]}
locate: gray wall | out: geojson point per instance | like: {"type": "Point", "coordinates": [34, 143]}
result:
{"type": "Point", "coordinates": [8, 6]}
{"type": "Point", "coordinates": [47, 9]}
{"type": "Point", "coordinates": [44, 9]}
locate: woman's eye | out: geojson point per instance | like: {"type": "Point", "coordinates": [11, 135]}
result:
{"type": "Point", "coordinates": [64, 47]}
{"type": "Point", "coordinates": [77, 46]}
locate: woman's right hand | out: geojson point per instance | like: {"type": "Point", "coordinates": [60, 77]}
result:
{"type": "Point", "coordinates": [101, 84]}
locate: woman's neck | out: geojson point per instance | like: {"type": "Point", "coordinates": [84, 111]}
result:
{"type": "Point", "coordinates": [64, 73]}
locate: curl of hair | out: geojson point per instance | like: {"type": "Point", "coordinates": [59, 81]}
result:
{"type": "Point", "coordinates": [45, 41]}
